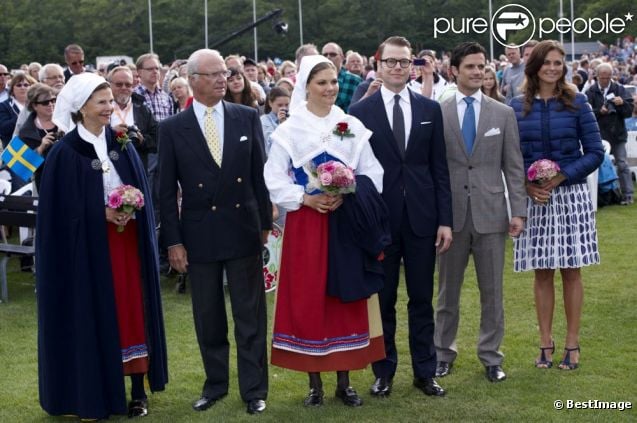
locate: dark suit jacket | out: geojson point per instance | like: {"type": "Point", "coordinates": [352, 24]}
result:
{"type": "Point", "coordinates": [8, 117]}
{"type": "Point", "coordinates": [223, 210]}
{"type": "Point", "coordinates": [143, 118]}
{"type": "Point", "coordinates": [419, 181]}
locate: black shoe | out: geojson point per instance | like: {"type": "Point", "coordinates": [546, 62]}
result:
{"type": "Point", "coordinates": [256, 406]}
{"type": "Point", "coordinates": [429, 386]}
{"type": "Point", "coordinates": [381, 387]}
{"type": "Point", "coordinates": [349, 397]}
{"type": "Point", "coordinates": [495, 373]}
{"type": "Point", "coordinates": [138, 408]}
{"type": "Point", "coordinates": [314, 398]}
{"type": "Point", "coordinates": [443, 368]}
{"type": "Point", "coordinates": [204, 403]}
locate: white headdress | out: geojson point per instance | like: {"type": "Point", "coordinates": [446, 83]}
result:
{"type": "Point", "coordinates": [300, 88]}
{"type": "Point", "coordinates": [73, 96]}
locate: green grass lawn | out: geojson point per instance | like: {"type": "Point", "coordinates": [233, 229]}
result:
{"type": "Point", "coordinates": [607, 373]}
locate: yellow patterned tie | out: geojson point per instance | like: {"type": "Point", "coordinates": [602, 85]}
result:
{"type": "Point", "coordinates": [212, 135]}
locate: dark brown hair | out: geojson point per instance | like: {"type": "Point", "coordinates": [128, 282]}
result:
{"type": "Point", "coordinates": [316, 69]}
{"type": "Point", "coordinates": [564, 92]}
{"type": "Point", "coordinates": [275, 93]}
{"type": "Point", "coordinates": [248, 98]}
{"type": "Point", "coordinates": [395, 41]}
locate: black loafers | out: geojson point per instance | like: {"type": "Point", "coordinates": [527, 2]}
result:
{"type": "Point", "coordinates": [443, 368]}
{"type": "Point", "coordinates": [381, 387]}
{"type": "Point", "coordinates": [495, 373]}
{"type": "Point", "coordinates": [349, 397]}
{"type": "Point", "coordinates": [138, 408]}
{"type": "Point", "coordinates": [314, 398]}
{"type": "Point", "coordinates": [255, 406]}
{"type": "Point", "coordinates": [204, 403]}
{"type": "Point", "coordinates": [429, 386]}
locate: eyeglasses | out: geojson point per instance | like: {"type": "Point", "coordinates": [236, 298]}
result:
{"type": "Point", "coordinates": [46, 102]}
{"type": "Point", "coordinates": [155, 68]}
{"type": "Point", "coordinates": [5, 74]}
{"type": "Point", "coordinates": [123, 84]}
{"type": "Point", "coordinates": [404, 63]}
{"type": "Point", "coordinates": [215, 75]}
{"type": "Point", "coordinates": [22, 85]}
{"type": "Point", "coordinates": [61, 77]}
{"type": "Point", "coordinates": [77, 62]}
{"type": "Point", "coordinates": [330, 54]}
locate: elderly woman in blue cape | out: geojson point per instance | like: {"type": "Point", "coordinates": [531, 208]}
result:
{"type": "Point", "coordinates": [327, 316]}
{"type": "Point", "coordinates": [99, 304]}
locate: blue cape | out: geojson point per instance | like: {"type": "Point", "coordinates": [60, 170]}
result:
{"type": "Point", "coordinates": [80, 362]}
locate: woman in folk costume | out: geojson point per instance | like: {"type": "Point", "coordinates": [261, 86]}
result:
{"type": "Point", "coordinates": [99, 304]}
{"type": "Point", "coordinates": [327, 316]}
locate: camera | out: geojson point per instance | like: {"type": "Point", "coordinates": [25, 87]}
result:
{"type": "Point", "coordinates": [420, 62]}
{"type": "Point", "coordinates": [609, 103]}
{"type": "Point", "coordinates": [287, 112]}
{"type": "Point", "coordinates": [57, 135]}
{"type": "Point", "coordinates": [131, 131]}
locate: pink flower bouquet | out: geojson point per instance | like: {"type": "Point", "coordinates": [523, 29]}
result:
{"type": "Point", "coordinates": [127, 199]}
{"type": "Point", "coordinates": [335, 178]}
{"type": "Point", "coordinates": [542, 171]}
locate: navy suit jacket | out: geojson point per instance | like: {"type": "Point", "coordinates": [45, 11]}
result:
{"type": "Point", "coordinates": [419, 181]}
{"type": "Point", "coordinates": [223, 210]}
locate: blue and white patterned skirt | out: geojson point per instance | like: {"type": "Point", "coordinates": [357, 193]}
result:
{"type": "Point", "coordinates": [560, 234]}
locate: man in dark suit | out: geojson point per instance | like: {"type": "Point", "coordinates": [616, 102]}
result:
{"type": "Point", "coordinates": [214, 152]}
{"type": "Point", "coordinates": [408, 141]}
{"type": "Point", "coordinates": [74, 58]}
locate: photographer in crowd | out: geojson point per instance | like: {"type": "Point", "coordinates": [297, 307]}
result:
{"type": "Point", "coordinates": [131, 115]}
{"type": "Point", "coordinates": [38, 131]}
{"type": "Point", "coordinates": [612, 104]}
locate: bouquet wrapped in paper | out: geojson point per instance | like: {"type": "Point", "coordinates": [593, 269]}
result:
{"type": "Point", "coordinates": [127, 199]}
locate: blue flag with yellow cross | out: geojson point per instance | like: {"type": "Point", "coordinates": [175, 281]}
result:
{"type": "Point", "coordinates": [22, 160]}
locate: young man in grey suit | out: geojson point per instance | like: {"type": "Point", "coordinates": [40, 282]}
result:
{"type": "Point", "coordinates": [482, 141]}
{"type": "Point", "coordinates": [213, 152]}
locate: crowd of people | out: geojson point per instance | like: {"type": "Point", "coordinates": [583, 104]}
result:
{"type": "Point", "coordinates": [222, 147]}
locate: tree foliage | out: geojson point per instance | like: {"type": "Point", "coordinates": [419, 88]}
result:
{"type": "Point", "coordinates": [37, 30]}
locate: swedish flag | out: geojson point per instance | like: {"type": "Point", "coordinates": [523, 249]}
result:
{"type": "Point", "coordinates": [21, 159]}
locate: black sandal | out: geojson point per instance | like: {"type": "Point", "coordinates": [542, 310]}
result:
{"type": "Point", "coordinates": [566, 363]}
{"type": "Point", "coordinates": [542, 362]}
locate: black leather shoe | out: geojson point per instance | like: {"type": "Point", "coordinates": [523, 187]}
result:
{"type": "Point", "coordinates": [381, 387]}
{"type": "Point", "coordinates": [256, 406]}
{"type": "Point", "coordinates": [138, 408]}
{"type": "Point", "coordinates": [443, 368]}
{"type": "Point", "coordinates": [204, 403]}
{"type": "Point", "coordinates": [429, 386]}
{"type": "Point", "coordinates": [349, 397]}
{"type": "Point", "coordinates": [314, 398]}
{"type": "Point", "coordinates": [495, 373]}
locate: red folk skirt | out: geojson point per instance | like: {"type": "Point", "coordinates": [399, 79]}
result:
{"type": "Point", "coordinates": [127, 284]}
{"type": "Point", "coordinates": [314, 332]}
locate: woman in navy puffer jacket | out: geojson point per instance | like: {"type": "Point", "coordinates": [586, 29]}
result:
{"type": "Point", "coordinates": [557, 123]}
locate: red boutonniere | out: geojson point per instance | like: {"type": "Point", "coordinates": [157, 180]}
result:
{"type": "Point", "coordinates": [122, 139]}
{"type": "Point", "coordinates": [342, 130]}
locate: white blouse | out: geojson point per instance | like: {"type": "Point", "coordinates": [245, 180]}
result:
{"type": "Point", "coordinates": [110, 176]}
{"type": "Point", "coordinates": [304, 136]}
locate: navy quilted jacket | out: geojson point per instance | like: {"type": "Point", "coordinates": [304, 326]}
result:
{"type": "Point", "coordinates": [550, 131]}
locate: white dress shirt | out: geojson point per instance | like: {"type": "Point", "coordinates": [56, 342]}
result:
{"type": "Point", "coordinates": [462, 106]}
{"type": "Point", "coordinates": [218, 116]}
{"type": "Point", "coordinates": [405, 105]}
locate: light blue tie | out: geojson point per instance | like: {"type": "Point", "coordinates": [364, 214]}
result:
{"type": "Point", "coordinates": [469, 124]}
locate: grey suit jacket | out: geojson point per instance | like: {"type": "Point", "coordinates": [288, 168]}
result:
{"type": "Point", "coordinates": [478, 175]}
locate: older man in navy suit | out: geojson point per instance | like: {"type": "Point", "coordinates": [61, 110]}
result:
{"type": "Point", "coordinates": [408, 141]}
{"type": "Point", "coordinates": [214, 152]}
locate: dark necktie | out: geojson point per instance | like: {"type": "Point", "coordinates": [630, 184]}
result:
{"type": "Point", "coordinates": [398, 126]}
{"type": "Point", "coordinates": [469, 124]}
